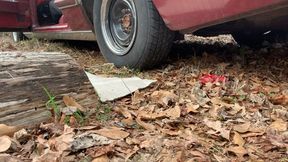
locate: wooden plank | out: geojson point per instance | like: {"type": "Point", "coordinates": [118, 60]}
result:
{"type": "Point", "coordinates": [23, 76]}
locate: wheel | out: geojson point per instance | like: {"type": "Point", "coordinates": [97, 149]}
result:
{"type": "Point", "coordinates": [18, 36]}
{"type": "Point", "coordinates": [131, 33]}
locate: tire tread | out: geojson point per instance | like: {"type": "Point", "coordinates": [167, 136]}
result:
{"type": "Point", "coordinates": [159, 43]}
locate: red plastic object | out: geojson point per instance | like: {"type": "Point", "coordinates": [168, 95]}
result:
{"type": "Point", "coordinates": [212, 78]}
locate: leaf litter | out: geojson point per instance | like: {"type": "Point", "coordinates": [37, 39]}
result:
{"type": "Point", "coordinates": [215, 106]}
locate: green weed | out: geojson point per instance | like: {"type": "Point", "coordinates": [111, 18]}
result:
{"type": "Point", "coordinates": [80, 117]}
{"type": "Point", "coordinates": [104, 114]}
{"type": "Point", "coordinates": [51, 103]}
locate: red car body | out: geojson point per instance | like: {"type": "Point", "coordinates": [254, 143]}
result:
{"type": "Point", "coordinates": [196, 14]}
{"type": "Point", "coordinates": [179, 15]}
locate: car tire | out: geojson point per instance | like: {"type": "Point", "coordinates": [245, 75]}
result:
{"type": "Point", "coordinates": [18, 36]}
{"type": "Point", "coordinates": [131, 33]}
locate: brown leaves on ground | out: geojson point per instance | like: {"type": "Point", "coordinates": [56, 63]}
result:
{"type": "Point", "coordinates": [102, 158]}
{"type": "Point", "coordinates": [6, 143]}
{"type": "Point", "coordinates": [70, 102]}
{"type": "Point", "coordinates": [7, 130]}
{"type": "Point", "coordinates": [279, 125]}
{"type": "Point", "coordinates": [217, 126]}
{"type": "Point", "coordinates": [55, 147]}
{"type": "Point", "coordinates": [164, 98]}
{"type": "Point", "coordinates": [112, 133]}
{"type": "Point", "coordinates": [180, 118]}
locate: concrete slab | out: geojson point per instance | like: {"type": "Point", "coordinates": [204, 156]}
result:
{"type": "Point", "coordinates": [109, 89]}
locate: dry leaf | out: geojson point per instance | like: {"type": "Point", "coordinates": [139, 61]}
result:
{"type": "Point", "coordinates": [220, 159]}
{"type": "Point", "coordinates": [134, 151]}
{"type": "Point", "coordinates": [238, 140]}
{"type": "Point", "coordinates": [69, 110]}
{"type": "Point", "coordinates": [124, 111]}
{"type": "Point", "coordinates": [73, 121]}
{"type": "Point", "coordinates": [59, 144]}
{"type": "Point", "coordinates": [192, 108]}
{"type": "Point", "coordinates": [200, 156]}
{"type": "Point", "coordinates": [113, 133]}
{"type": "Point", "coordinates": [164, 97]}
{"type": "Point", "coordinates": [132, 141]}
{"type": "Point", "coordinates": [7, 130]}
{"type": "Point", "coordinates": [240, 151]}
{"type": "Point", "coordinates": [145, 125]}
{"type": "Point", "coordinates": [103, 158]}
{"type": "Point", "coordinates": [64, 142]}
{"type": "Point", "coordinates": [169, 156]}
{"type": "Point", "coordinates": [280, 100]}
{"type": "Point", "coordinates": [48, 156]}
{"type": "Point", "coordinates": [279, 125]}
{"type": "Point", "coordinates": [199, 95]}
{"type": "Point", "coordinates": [170, 132]}
{"type": "Point", "coordinates": [42, 144]}
{"type": "Point", "coordinates": [22, 136]}
{"type": "Point", "coordinates": [62, 119]}
{"type": "Point", "coordinates": [173, 113]}
{"type": "Point", "coordinates": [89, 127]}
{"type": "Point", "coordinates": [137, 97]}
{"type": "Point", "coordinates": [52, 128]}
{"type": "Point", "coordinates": [225, 133]}
{"type": "Point", "coordinates": [252, 134]}
{"type": "Point", "coordinates": [70, 102]}
{"type": "Point", "coordinates": [9, 158]}
{"type": "Point", "coordinates": [217, 126]}
{"type": "Point", "coordinates": [236, 109]}
{"type": "Point", "coordinates": [88, 139]}
{"type": "Point", "coordinates": [279, 140]}
{"type": "Point", "coordinates": [28, 148]}
{"type": "Point", "coordinates": [257, 98]}
{"type": "Point", "coordinates": [5, 143]}
{"type": "Point", "coordinates": [8, 144]}
{"type": "Point", "coordinates": [242, 128]}
{"type": "Point", "coordinates": [179, 156]}
{"type": "Point", "coordinates": [99, 151]}
{"type": "Point", "coordinates": [214, 111]}
{"type": "Point", "coordinates": [147, 143]}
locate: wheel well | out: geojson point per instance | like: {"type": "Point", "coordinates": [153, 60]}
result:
{"type": "Point", "coordinates": [88, 9]}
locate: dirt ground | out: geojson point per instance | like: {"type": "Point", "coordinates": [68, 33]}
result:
{"type": "Point", "coordinates": [213, 101]}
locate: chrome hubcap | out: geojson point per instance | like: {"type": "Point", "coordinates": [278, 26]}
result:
{"type": "Point", "coordinates": [119, 24]}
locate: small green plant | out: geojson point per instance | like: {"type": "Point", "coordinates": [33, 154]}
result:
{"type": "Point", "coordinates": [103, 115]}
{"type": "Point", "coordinates": [51, 103]}
{"type": "Point", "coordinates": [67, 120]}
{"type": "Point", "coordinates": [80, 117]}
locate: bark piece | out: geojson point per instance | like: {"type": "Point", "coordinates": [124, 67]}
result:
{"type": "Point", "coordinates": [22, 78]}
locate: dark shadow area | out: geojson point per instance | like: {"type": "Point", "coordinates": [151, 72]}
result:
{"type": "Point", "coordinates": [269, 61]}
{"type": "Point", "coordinates": [80, 45]}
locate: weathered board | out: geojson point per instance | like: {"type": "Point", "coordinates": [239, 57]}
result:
{"type": "Point", "coordinates": [22, 78]}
